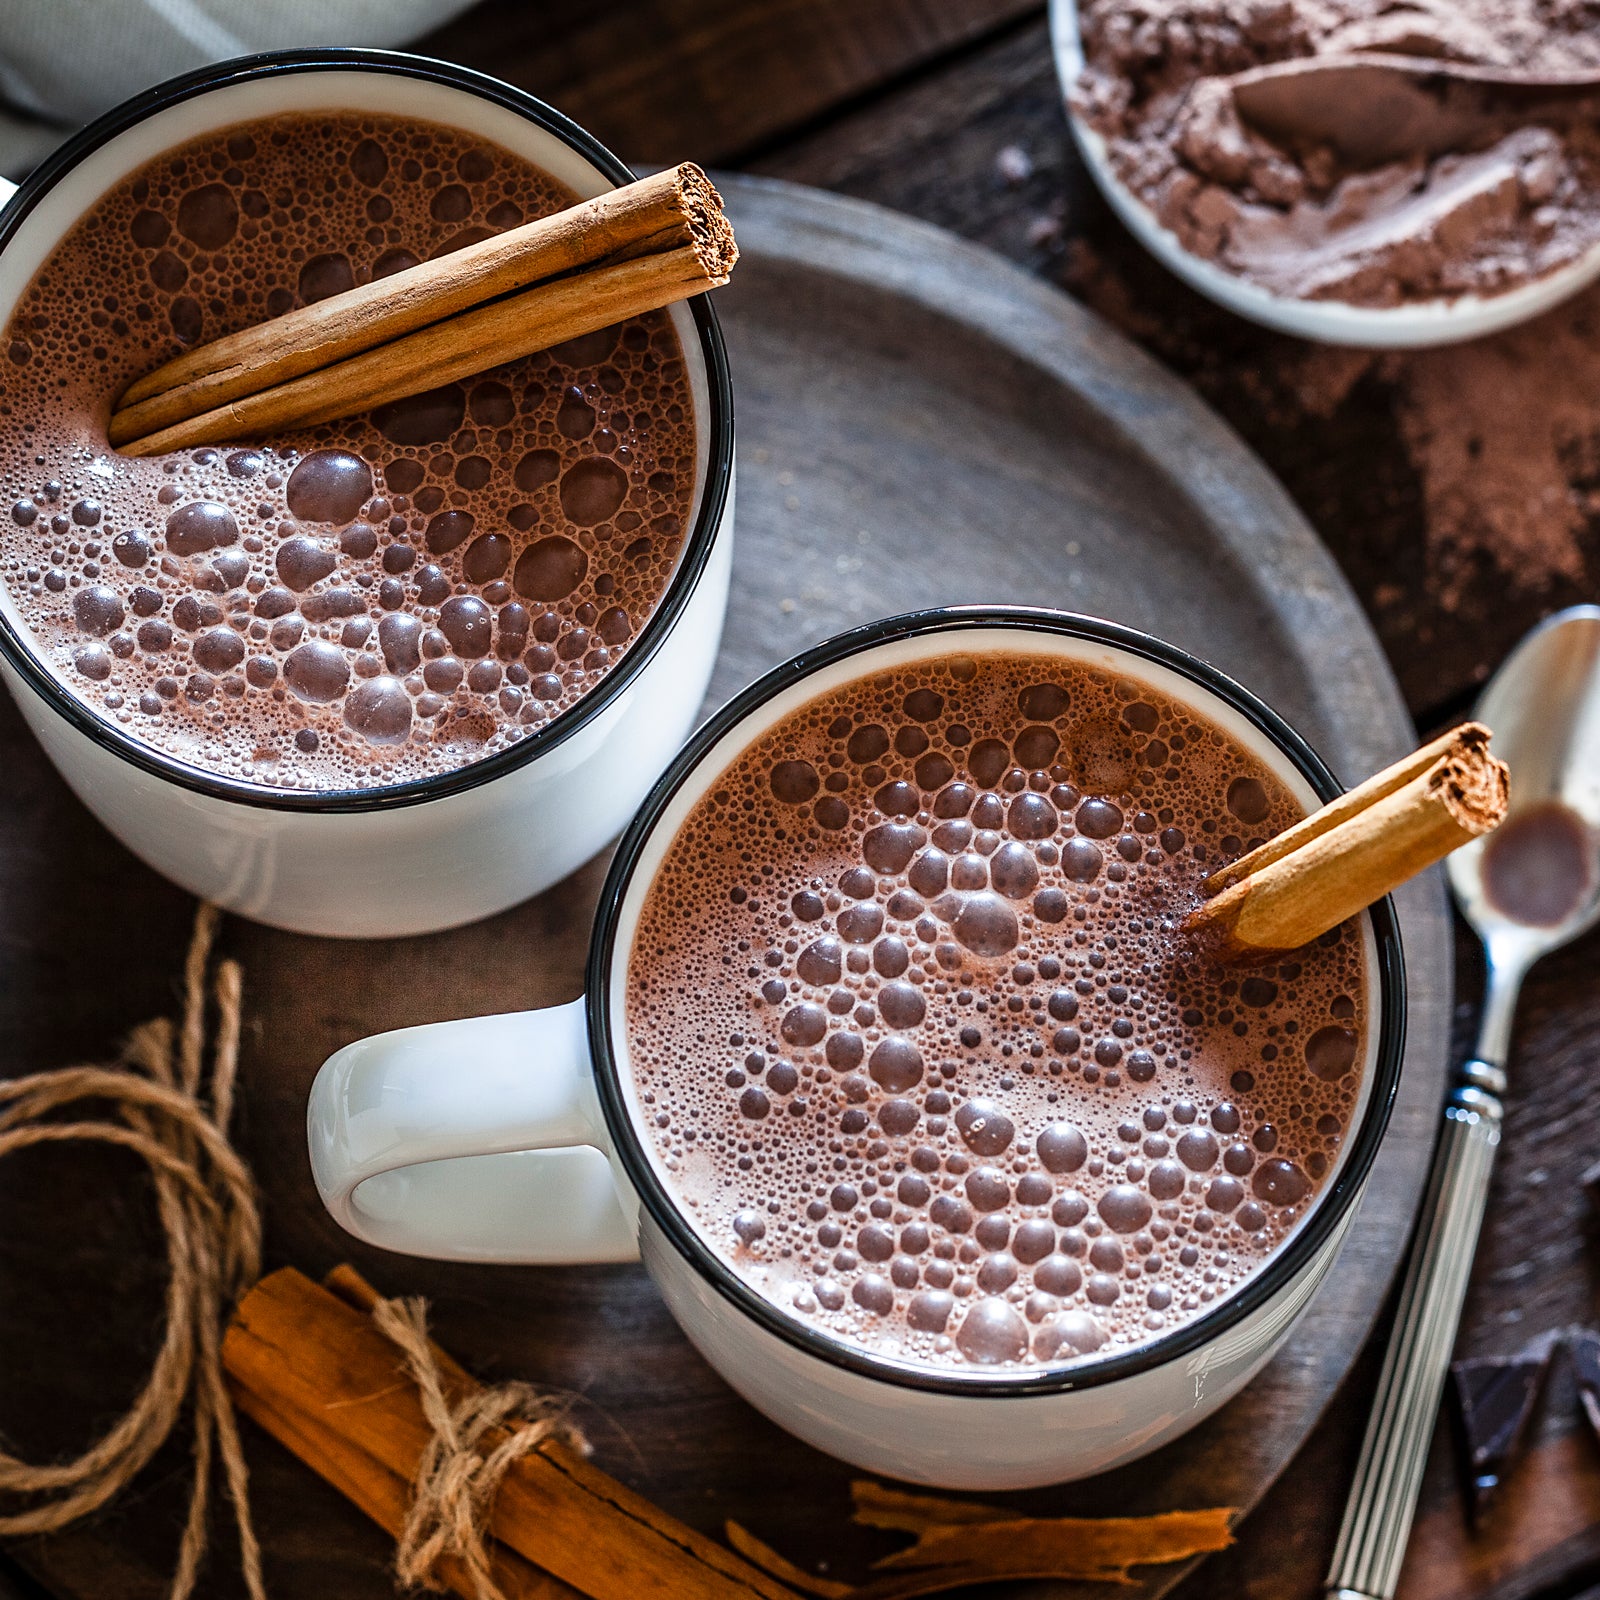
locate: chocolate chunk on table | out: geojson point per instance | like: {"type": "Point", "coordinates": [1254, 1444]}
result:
{"type": "Point", "coordinates": [1494, 1403]}
{"type": "Point", "coordinates": [1583, 1350]}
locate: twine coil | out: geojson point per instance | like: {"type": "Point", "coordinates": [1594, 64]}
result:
{"type": "Point", "coordinates": [456, 1481]}
{"type": "Point", "coordinates": [155, 1105]}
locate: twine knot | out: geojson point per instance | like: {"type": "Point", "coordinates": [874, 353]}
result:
{"type": "Point", "coordinates": [457, 1477]}
{"type": "Point", "coordinates": [154, 1104]}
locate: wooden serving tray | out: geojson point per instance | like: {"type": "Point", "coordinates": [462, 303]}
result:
{"type": "Point", "coordinates": [919, 423]}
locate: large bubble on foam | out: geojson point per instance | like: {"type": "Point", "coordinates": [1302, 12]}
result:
{"type": "Point", "coordinates": [1068, 1333]}
{"type": "Point", "coordinates": [97, 610]}
{"type": "Point", "coordinates": [209, 216]}
{"type": "Point", "coordinates": [981, 921]}
{"type": "Point", "coordinates": [992, 1332]}
{"type": "Point", "coordinates": [1247, 800]}
{"type": "Point", "coordinates": [1062, 1147]}
{"type": "Point", "coordinates": [1280, 1182]}
{"type": "Point", "coordinates": [592, 490]}
{"type": "Point", "coordinates": [468, 624]}
{"type": "Point", "coordinates": [427, 418]}
{"type": "Point", "coordinates": [537, 468]}
{"type": "Point", "coordinates": [794, 782]}
{"type": "Point", "coordinates": [379, 709]}
{"type": "Point", "coordinates": [219, 650]}
{"type": "Point", "coordinates": [550, 569]}
{"type": "Point", "coordinates": [575, 417]}
{"type": "Point", "coordinates": [329, 486]}
{"type": "Point", "coordinates": [199, 526]}
{"type": "Point", "coordinates": [1124, 1208]}
{"type": "Point", "coordinates": [447, 530]}
{"type": "Point", "coordinates": [369, 161]}
{"type": "Point", "coordinates": [895, 1064]}
{"type": "Point", "coordinates": [984, 1127]}
{"type": "Point", "coordinates": [901, 1004]}
{"type": "Point", "coordinates": [487, 558]}
{"type": "Point", "coordinates": [821, 962]}
{"type": "Point", "coordinates": [324, 276]}
{"type": "Point", "coordinates": [316, 671]}
{"type": "Point", "coordinates": [1331, 1052]}
{"type": "Point", "coordinates": [302, 562]}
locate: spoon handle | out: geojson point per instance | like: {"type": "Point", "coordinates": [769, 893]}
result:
{"type": "Point", "coordinates": [1383, 1498]}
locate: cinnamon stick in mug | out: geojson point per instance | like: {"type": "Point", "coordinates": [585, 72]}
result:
{"type": "Point", "coordinates": [630, 250]}
{"type": "Point", "coordinates": [1355, 850]}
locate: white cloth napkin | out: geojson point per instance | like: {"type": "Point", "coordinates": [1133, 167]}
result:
{"type": "Point", "coordinates": [63, 62]}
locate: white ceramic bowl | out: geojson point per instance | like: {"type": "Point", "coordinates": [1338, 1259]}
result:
{"type": "Point", "coordinates": [1422, 323]}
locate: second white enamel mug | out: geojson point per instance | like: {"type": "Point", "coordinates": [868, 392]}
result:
{"type": "Point", "coordinates": [516, 1138]}
{"type": "Point", "coordinates": [412, 857]}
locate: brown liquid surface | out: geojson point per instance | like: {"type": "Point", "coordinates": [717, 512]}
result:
{"type": "Point", "coordinates": [920, 1050]}
{"type": "Point", "coordinates": [1539, 865]}
{"type": "Point", "coordinates": [360, 604]}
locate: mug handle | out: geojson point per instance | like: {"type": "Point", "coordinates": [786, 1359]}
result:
{"type": "Point", "coordinates": [479, 1140]}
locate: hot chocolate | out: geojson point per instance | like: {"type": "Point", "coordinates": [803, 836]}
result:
{"type": "Point", "coordinates": [363, 603]}
{"type": "Point", "coordinates": [920, 1048]}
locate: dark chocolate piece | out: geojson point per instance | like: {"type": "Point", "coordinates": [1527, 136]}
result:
{"type": "Point", "coordinates": [1495, 1397]}
{"type": "Point", "coordinates": [1584, 1350]}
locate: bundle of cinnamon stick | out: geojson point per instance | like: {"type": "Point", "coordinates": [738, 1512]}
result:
{"type": "Point", "coordinates": [632, 250]}
{"type": "Point", "coordinates": [1355, 850]}
{"type": "Point", "coordinates": [307, 1363]}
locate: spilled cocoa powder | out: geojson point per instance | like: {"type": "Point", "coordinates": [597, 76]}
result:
{"type": "Point", "coordinates": [1502, 434]}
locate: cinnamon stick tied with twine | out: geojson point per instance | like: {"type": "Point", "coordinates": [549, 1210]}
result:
{"type": "Point", "coordinates": [314, 1368]}
{"type": "Point", "coordinates": [1355, 850]}
{"type": "Point", "coordinates": [352, 1385]}
{"type": "Point", "coordinates": [631, 250]}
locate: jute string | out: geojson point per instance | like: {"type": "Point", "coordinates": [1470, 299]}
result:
{"type": "Point", "coordinates": [456, 1480]}
{"type": "Point", "coordinates": [155, 1104]}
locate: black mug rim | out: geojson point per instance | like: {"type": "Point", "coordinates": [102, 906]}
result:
{"type": "Point", "coordinates": [692, 562]}
{"type": "Point", "coordinates": [1332, 1209]}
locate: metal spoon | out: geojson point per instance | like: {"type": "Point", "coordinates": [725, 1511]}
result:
{"type": "Point", "coordinates": [1375, 108]}
{"type": "Point", "coordinates": [1527, 889]}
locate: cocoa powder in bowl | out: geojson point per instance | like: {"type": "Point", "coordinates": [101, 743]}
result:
{"type": "Point", "coordinates": [1519, 203]}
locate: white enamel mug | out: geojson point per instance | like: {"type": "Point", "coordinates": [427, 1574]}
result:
{"type": "Point", "coordinates": [405, 858]}
{"type": "Point", "coordinates": [516, 1138]}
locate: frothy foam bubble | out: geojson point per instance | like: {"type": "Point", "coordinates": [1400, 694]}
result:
{"type": "Point", "coordinates": [916, 1044]}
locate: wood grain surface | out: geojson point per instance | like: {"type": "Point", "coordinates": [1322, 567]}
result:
{"type": "Point", "coordinates": [710, 80]}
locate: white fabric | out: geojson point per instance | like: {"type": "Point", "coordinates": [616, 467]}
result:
{"type": "Point", "coordinates": [63, 62]}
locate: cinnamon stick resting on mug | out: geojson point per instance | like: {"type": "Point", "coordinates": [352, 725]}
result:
{"type": "Point", "coordinates": [1355, 850]}
{"type": "Point", "coordinates": [628, 251]}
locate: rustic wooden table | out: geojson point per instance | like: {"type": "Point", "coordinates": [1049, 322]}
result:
{"type": "Point", "coordinates": [952, 113]}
